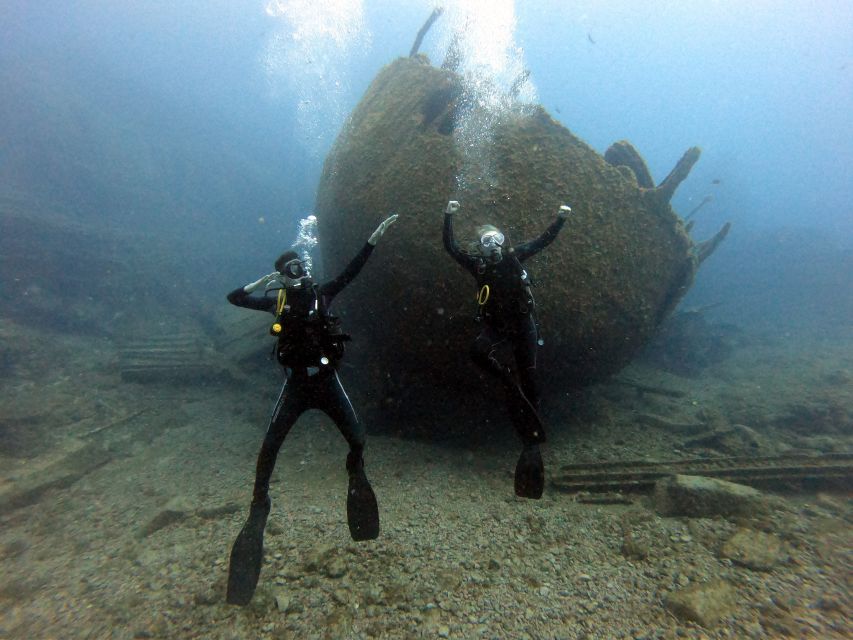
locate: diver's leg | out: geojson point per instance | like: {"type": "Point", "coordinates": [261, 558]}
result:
{"type": "Point", "coordinates": [290, 405]}
{"type": "Point", "coordinates": [525, 348]}
{"type": "Point", "coordinates": [529, 473]}
{"type": "Point", "coordinates": [522, 392]}
{"type": "Point", "coordinates": [484, 353]}
{"type": "Point", "coordinates": [362, 509]}
{"type": "Point", "coordinates": [529, 470]}
{"type": "Point", "coordinates": [244, 567]}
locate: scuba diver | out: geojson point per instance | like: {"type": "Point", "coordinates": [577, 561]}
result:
{"type": "Point", "coordinates": [309, 346]}
{"type": "Point", "coordinates": [506, 309]}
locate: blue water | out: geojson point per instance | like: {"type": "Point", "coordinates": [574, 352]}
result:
{"type": "Point", "coordinates": [199, 119]}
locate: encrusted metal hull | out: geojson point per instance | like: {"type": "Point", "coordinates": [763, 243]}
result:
{"type": "Point", "coordinates": [620, 265]}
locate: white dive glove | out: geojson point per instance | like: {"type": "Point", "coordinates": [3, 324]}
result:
{"type": "Point", "coordinates": [564, 211]}
{"type": "Point", "coordinates": [374, 237]}
{"type": "Point", "coordinates": [452, 207]}
{"type": "Point", "coordinates": [262, 282]}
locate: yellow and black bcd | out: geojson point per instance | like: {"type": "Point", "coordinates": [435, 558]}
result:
{"type": "Point", "coordinates": [276, 327]}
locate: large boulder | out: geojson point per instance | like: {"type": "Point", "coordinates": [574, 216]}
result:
{"type": "Point", "coordinates": [621, 264]}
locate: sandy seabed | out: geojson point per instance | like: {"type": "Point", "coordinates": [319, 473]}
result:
{"type": "Point", "coordinates": [149, 484]}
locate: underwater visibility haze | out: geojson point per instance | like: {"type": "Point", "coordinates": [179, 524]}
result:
{"type": "Point", "coordinates": [555, 336]}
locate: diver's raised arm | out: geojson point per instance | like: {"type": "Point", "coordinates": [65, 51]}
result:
{"type": "Point", "coordinates": [241, 296]}
{"type": "Point", "coordinates": [531, 248]}
{"type": "Point", "coordinates": [263, 281]}
{"type": "Point", "coordinates": [334, 287]}
{"type": "Point", "coordinates": [449, 241]}
{"type": "Point", "coordinates": [380, 230]}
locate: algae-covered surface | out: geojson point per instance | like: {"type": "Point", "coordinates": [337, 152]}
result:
{"type": "Point", "coordinates": [618, 268]}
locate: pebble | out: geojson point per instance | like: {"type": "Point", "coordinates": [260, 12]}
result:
{"type": "Point", "coordinates": [282, 602]}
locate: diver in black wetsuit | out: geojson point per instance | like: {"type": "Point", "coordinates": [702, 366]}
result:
{"type": "Point", "coordinates": [506, 309]}
{"type": "Point", "coordinates": [310, 344]}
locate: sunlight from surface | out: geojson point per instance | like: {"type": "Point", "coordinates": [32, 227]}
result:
{"type": "Point", "coordinates": [492, 65]}
{"type": "Point", "coordinates": [307, 56]}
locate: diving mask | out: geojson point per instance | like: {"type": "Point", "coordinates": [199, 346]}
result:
{"type": "Point", "coordinates": [294, 270]}
{"type": "Point", "coordinates": [294, 273]}
{"type": "Point", "coordinates": [492, 239]}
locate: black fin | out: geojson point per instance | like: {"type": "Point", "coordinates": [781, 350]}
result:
{"type": "Point", "coordinates": [530, 474]}
{"type": "Point", "coordinates": [247, 555]}
{"type": "Point", "coordinates": [362, 510]}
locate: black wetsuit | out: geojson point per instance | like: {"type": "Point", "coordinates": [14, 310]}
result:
{"type": "Point", "coordinates": [308, 334]}
{"type": "Point", "coordinates": [507, 312]}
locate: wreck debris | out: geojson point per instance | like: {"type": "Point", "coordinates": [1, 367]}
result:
{"type": "Point", "coordinates": [670, 424]}
{"type": "Point", "coordinates": [705, 249]}
{"type": "Point", "coordinates": [424, 29]}
{"type": "Point", "coordinates": [113, 423]}
{"type": "Point", "coordinates": [645, 388]}
{"type": "Point", "coordinates": [623, 154]}
{"type": "Point", "coordinates": [664, 191]}
{"type": "Point", "coordinates": [157, 357]}
{"type": "Point", "coordinates": [59, 475]}
{"type": "Point", "coordinates": [693, 211]}
{"type": "Point", "coordinates": [781, 472]}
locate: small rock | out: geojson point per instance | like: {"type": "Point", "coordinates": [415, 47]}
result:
{"type": "Point", "coordinates": [444, 631]}
{"type": "Point", "coordinates": [753, 549]}
{"type": "Point", "coordinates": [634, 549]}
{"type": "Point", "coordinates": [282, 602]}
{"type": "Point", "coordinates": [340, 596]}
{"type": "Point", "coordinates": [734, 439]}
{"type": "Point", "coordinates": [336, 568]}
{"type": "Point", "coordinates": [704, 604]}
{"type": "Point", "coordinates": [701, 497]}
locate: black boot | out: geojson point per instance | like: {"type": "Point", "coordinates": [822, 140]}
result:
{"type": "Point", "coordinates": [247, 555]}
{"type": "Point", "coordinates": [362, 510]}
{"type": "Point", "coordinates": [530, 473]}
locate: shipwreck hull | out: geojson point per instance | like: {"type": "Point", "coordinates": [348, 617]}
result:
{"type": "Point", "coordinates": [620, 265]}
